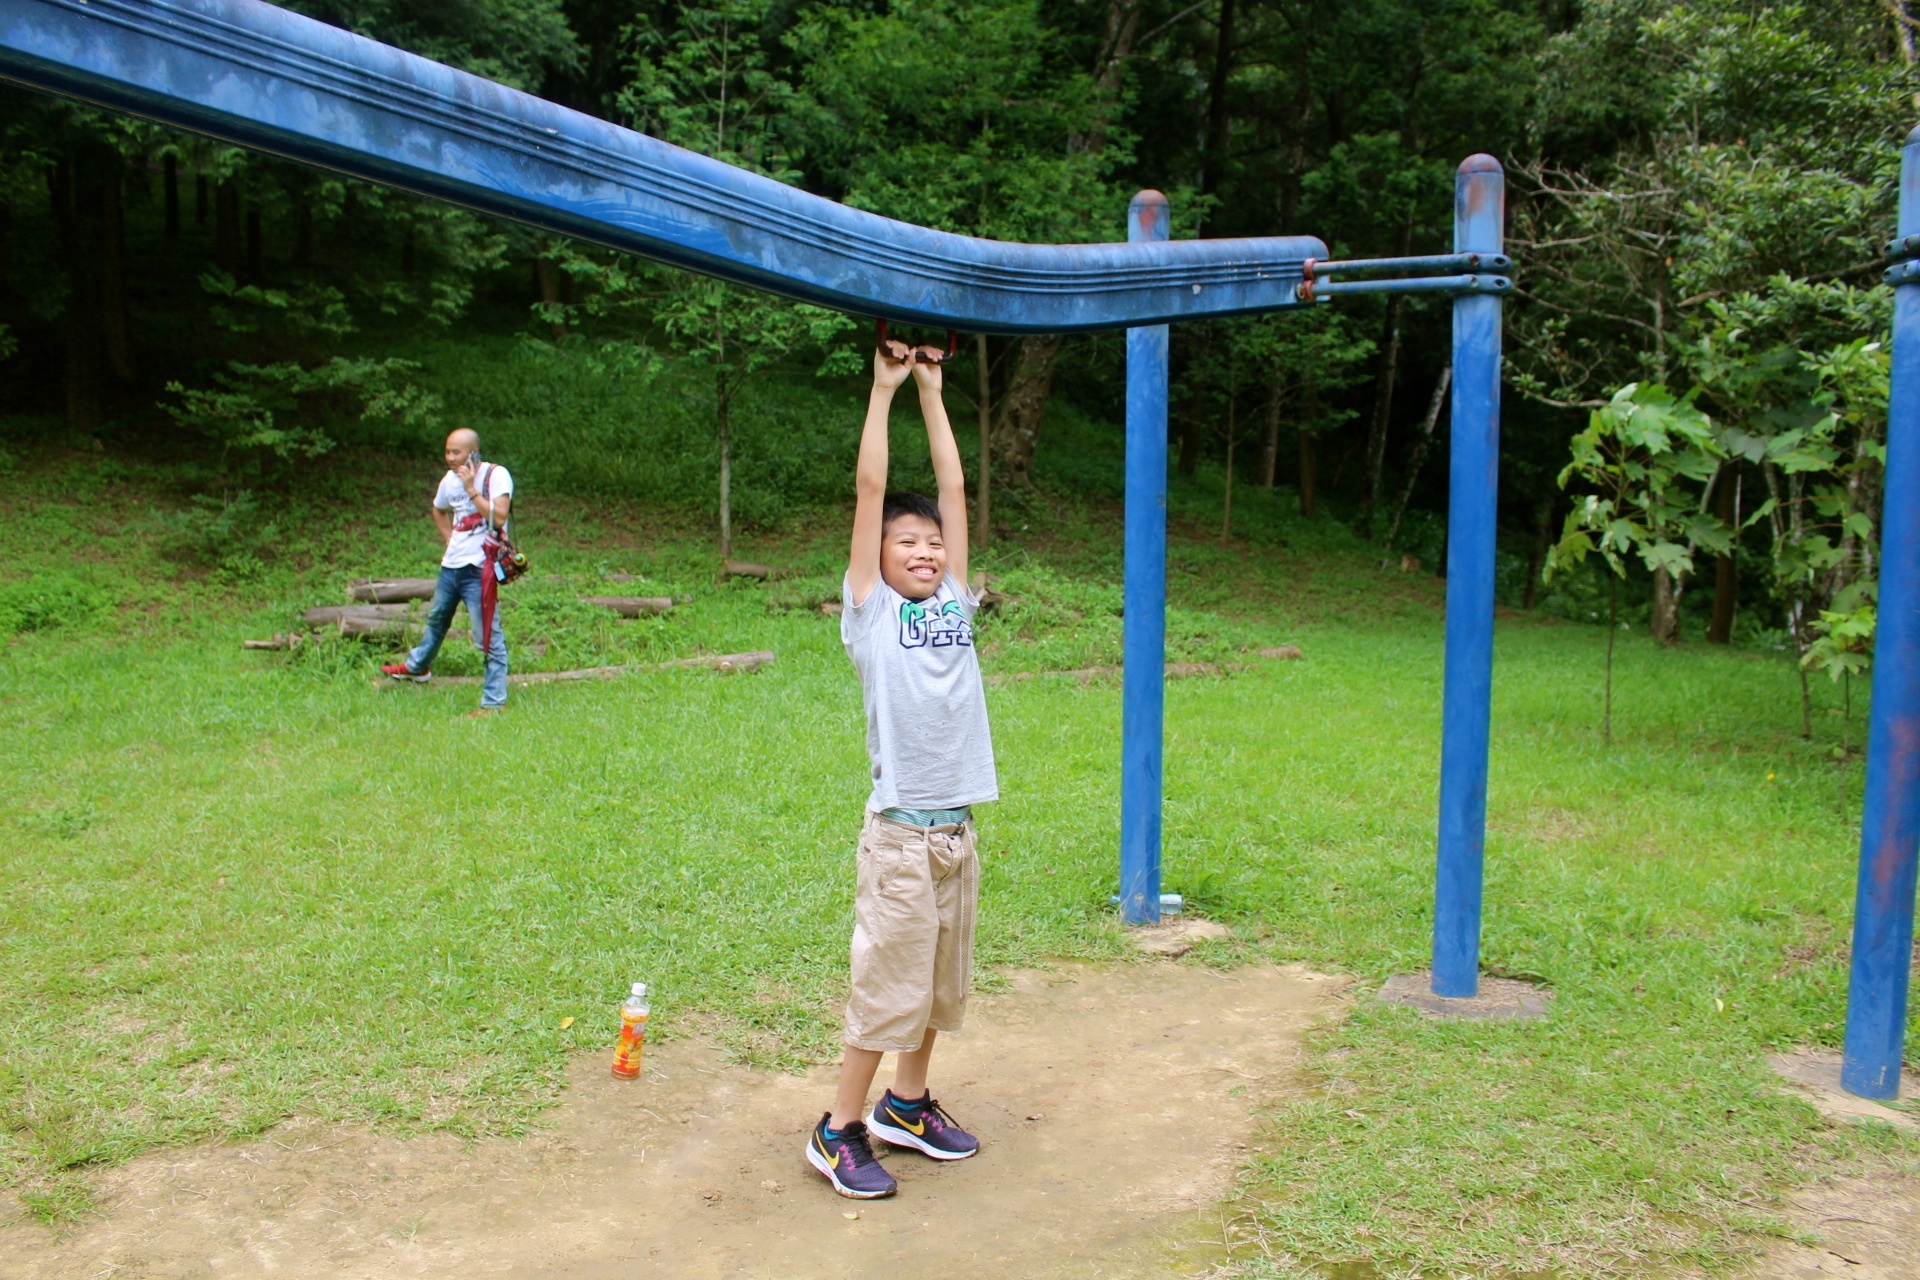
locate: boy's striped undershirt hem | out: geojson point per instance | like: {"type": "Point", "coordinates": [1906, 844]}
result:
{"type": "Point", "coordinates": [928, 817]}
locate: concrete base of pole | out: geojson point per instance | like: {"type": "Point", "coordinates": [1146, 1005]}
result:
{"type": "Point", "coordinates": [1498, 998]}
{"type": "Point", "coordinates": [1816, 1074]}
{"type": "Point", "coordinates": [1174, 938]}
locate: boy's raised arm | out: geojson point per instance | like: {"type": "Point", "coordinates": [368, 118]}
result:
{"type": "Point", "coordinates": [948, 474]}
{"type": "Point", "coordinates": [870, 476]}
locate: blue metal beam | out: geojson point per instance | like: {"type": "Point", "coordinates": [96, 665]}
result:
{"type": "Point", "coordinates": [1143, 693]}
{"type": "Point", "coordinates": [1890, 818]}
{"type": "Point", "coordinates": [1479, 222]}
{"type": "Point", "coordinates": [258, 76]}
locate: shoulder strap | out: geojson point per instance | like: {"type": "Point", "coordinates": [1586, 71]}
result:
{"type": "Point", "coordinates": [486, 491]}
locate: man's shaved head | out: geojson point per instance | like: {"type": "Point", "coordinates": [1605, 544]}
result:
{"type": "Point", "coordinates": [466, 440]}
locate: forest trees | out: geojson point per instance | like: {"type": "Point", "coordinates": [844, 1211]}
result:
{"type": "Point", "coordinates": [1702, 206]}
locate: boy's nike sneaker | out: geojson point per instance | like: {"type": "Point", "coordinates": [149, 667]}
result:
{"type": "Point", "coordinates": [923, 1125]}
{"type": "Point", "coordinates": [399, 671]}
{"type": "Point", "coordinates": [848, 1162]}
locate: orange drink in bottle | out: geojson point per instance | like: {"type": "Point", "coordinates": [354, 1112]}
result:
{"type": "Point", "coordinates": [633, 1033]}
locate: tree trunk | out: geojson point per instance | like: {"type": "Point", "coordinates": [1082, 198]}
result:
{"type": "Point", "coordinates": [726, 471]}
{"type": "Point", "coordinates": [82, 331]}
{"type": "Point", "coordinates": [1666, 613]}
{"type": "Point", "coordinates": [1726, 577]}
{"type": "Point", "coordinates": [303, 225]}
{"type": "Point", "coordinates": [256, 250]}
{"type": "Point", "coordinates": [1796, 623]}
{"type": "Point", "coordinates": [1383, 407]}
{"type": "Point", "coordinates": [1606, 707]}
{"type": "Point", "coordinates": [1213, 157]}
{"type": "Point", "coordinates": [226, 227]}
{"type": "Point", "coordinates": [723, 398]}
{"type": "Point", "coordinates": [549, 290]}
{"type": "Point", "coordinates": [113, 272]}
{"type": "Point", "coordinates": [170, 193]}
{"type": "Point", "coordinates": [1419, 458]}
{"type": "Point", "coordinates": [1542, 543]}
{"type": "Point", "coordinates": [1308, 464]}
{"type": "Point", "coordinates": [1226, 504]}
{"type": "Point", "coordinates": [199, 199]}
{"type": "Point", "coordinates": [1309, 446]}
{"type": "Point", "coordinates": [1270, 455]}
{"type": "Point", "coordinates": [1017, 433]}
{"type": "Point", "coordinates": [983, 518]}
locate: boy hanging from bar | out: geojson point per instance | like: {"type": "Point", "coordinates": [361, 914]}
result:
{"type": "Point", "coordinates": [907, 623]}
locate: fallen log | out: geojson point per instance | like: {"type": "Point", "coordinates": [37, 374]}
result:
{"type": "Point", "coordinates": [787, 604]}
{"type": "Point", "coordinates": [390, 590]}
{"type": "Point", "coordinates": [352, 626]}
{"type": "Point", "coordinates": [983, 587]}
{"type": "Point", "coordinates": [331, 615]}
{"type": "Point", "coordinates": [633, 606]}
{"type": "Point", "coordinates": [725, 663]}
{"type": "Point", "coordinates": [281, 640]}
{"type": "Point", "coordinates": [747, 569]}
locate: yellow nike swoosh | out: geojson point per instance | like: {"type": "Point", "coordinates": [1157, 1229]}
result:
{"type": "Point", "coordinates": [917, 1130]}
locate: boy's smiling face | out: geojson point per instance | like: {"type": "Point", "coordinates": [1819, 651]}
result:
{"type": "Point", "coordinates": [913, 557]}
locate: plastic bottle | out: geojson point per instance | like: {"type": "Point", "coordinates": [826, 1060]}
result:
{"type": "Point", "coordinates": [633, 1033]}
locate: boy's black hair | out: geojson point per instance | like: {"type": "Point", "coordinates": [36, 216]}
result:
{"type": "Point", "coordinates": [908, 504]}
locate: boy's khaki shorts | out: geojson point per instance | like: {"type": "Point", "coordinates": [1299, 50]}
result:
{"type": "Point", "coordinates": [912, 933]}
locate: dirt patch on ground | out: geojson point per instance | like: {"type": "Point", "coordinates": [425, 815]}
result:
{"type": "Point", "coordinates": [1866, 1229]}
{"type": "Point", "coordinates": [1108, 1101]}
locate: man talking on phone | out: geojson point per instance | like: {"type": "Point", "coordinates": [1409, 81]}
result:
{"type": "Point", "coordinates": [473, 497]}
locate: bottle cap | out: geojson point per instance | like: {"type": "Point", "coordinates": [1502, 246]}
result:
{"type": "Point", "coordinates": [640, 988]}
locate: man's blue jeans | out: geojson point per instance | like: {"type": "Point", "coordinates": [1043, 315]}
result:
{"type": "Point", "coordinates": [458, 586]}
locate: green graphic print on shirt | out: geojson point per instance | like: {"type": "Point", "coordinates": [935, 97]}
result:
{"type": "Point", "coordinates": [921, 628]}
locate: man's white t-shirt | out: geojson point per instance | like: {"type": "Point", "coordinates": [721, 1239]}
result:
{"type": "Point", "coordinates": [464, 548]}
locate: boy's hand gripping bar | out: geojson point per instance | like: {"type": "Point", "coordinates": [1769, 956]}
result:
{"type": "Point", "coordinates": [920, 354]}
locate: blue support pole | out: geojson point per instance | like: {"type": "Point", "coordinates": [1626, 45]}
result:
{"type": "Point", "coordinates": [1479, 221]}
{"type": "Point", "coordinates": [1890, 821]}
{"type": "Point", "coordinates": [1143, 693]}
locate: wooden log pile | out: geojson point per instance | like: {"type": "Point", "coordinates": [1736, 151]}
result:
{"type": "Point", "coordinates": [391, 590]}
{"type": "Point", "coordinates": [365, 620]}
{"type": "Point", "coordinates": [388, 607]}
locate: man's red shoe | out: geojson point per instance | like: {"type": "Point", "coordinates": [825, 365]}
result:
{"type": "Point", "coordinates": [398, 670]}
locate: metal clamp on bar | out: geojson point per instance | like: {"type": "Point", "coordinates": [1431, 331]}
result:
{"type": "Point", "coordinates": [1475, 262]}
{"type": "Point", "coordinates": [1907, 272]}
{"type": "Point", "coordinates": [1421, 284]}
{"type": "Point", "coordinates": [1903, 247]}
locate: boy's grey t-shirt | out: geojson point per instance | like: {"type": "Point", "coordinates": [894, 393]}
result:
{"type": "Point", "coordinates": [927, 735]}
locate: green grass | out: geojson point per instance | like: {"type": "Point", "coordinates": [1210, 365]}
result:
{"type": "Point", "coordinates": [240, 887]}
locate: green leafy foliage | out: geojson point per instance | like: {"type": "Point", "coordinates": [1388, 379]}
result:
{"type": "Point", "coordinates": [49, 600]}
{"type": "Point", "coordinates": [1843, 635]}
{"type": "Point", "coordinates": [228, 533]}
{"type": "Point", "coordinates": [273, 413]}
{"type": "Point", "coordinates": [1637, 455]}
